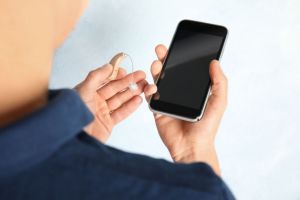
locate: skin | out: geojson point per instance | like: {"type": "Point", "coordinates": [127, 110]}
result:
{"type": "Point", "coordinates": [110, 101]}
{"type": "Point", "coordinates": [34, 29]}
{"type": "Point", "coordinates": [190, 142]}
{"type": "Point", "coordinates": [31, 30]}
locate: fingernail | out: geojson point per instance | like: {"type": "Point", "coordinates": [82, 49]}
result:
{"type": "Point", "coordinates": [154, 89]}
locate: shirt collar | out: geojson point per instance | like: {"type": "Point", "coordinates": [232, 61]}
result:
{"type": "Point", "coordinates": [35, 137]}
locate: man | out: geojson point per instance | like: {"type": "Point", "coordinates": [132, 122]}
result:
{"type": "Point", "coordinates": [52, 142]}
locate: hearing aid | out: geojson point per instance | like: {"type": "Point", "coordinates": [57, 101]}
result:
{"type": "Point", "coordinates": [115, 62]}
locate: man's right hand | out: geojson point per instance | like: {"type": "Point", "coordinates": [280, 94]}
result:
{"type": "Point", "coordinates": [194, 142]}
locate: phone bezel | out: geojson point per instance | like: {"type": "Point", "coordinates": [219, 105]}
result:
{"type": "Point", "coordinates": [178, 111]}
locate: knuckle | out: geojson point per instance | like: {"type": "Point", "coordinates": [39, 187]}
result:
{"type": "Point", "coordinates": [225, 79]}
{"type": "Point", "coordinates": [91, 75]}
{"type": "Point", "coordinates": [120, 99]}
{"type": "Point", "coordinates": [115, 104]}
{"type": "Point", "coordinates": [225, 102]}
{"type": "Point", "coordinates": [116, 117]}
{"type": "Point", "coordinates": [125, 82]}
{"type": "Point", "coordinates": [107, 65]}
{"type": "Point", "coordinates": [155, 63]}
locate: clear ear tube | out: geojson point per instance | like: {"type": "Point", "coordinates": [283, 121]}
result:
{"type": "Point", "coordinates": [116, 61]}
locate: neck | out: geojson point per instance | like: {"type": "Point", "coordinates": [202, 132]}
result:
{"type": "Point", "coordinates": [19, 106]}
{"type": "Point", "coordinates": [26, 52]}
{"type": "Point", "coordinates": [22, 92]}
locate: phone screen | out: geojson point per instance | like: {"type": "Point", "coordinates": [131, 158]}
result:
{"type": "Point", "coordinates": [185, 77]}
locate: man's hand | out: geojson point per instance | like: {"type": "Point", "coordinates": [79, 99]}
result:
{"type": "Point", "coordinates": [110, 102]}
{"type": "Point", "coordinates": [192, 142]}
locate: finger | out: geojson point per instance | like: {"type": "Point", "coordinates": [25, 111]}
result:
{"type": "Point", "coordinates": [99, 76]}
{"type": "Point", "coordinates": [122, 97]}
{"type": "Point", "coordinates": [156, 69]}
{"type": "Point", "coordinates": [121, 73]}
{"type": "Point", "coordinates": [117, 86]}
{"type": "Point", "coordinates": [161, 52]}
{"type": "Point", "coordinates": [149, 91]}
{"type": "Point", "coordinates": [126, 109]}
{"type": "Point", "coordinates": [219, 80]}
{"type": "Point", "coordinates": [218, 99]}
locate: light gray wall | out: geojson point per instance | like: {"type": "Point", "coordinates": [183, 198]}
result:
{"type": "Point", "coordinates": [259, 140]}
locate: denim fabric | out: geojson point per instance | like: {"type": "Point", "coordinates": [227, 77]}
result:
{"type": "Point", "coordinates": [47, 156]}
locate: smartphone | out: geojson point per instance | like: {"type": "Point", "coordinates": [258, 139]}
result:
{"type": "Point", "coordinates": [184, 82]}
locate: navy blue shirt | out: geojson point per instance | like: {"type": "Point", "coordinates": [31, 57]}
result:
{"type": "Point", "coordinates": [48, 156]}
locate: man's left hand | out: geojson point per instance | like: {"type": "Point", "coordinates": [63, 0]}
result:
{"type": "Point", "coordinates": [111, 101]}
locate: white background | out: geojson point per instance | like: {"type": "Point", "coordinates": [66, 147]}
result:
{"type": "Point", "coordinates": [259, 139]}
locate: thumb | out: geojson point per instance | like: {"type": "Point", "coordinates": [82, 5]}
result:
{"type": "Point", "coordinates": [99, 76]}
{"type": "Point", "coordinates": [218, 99]}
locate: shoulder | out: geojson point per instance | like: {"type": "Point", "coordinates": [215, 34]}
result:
{"type": "Point", "coordinates": [84, 166]}
{"type": "Point", "coordinates": [103, 159]}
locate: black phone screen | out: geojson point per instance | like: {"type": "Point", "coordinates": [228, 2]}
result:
{"type": "Point", "coordinates": [185, 79]}
{"type": "Point", "coordinates": [184, 82]}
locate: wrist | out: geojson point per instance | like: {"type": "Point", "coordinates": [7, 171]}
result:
{"type": "Point", "coordinates": [202, 153]}
{"type": "Point", "coordinates": [193, 154]}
